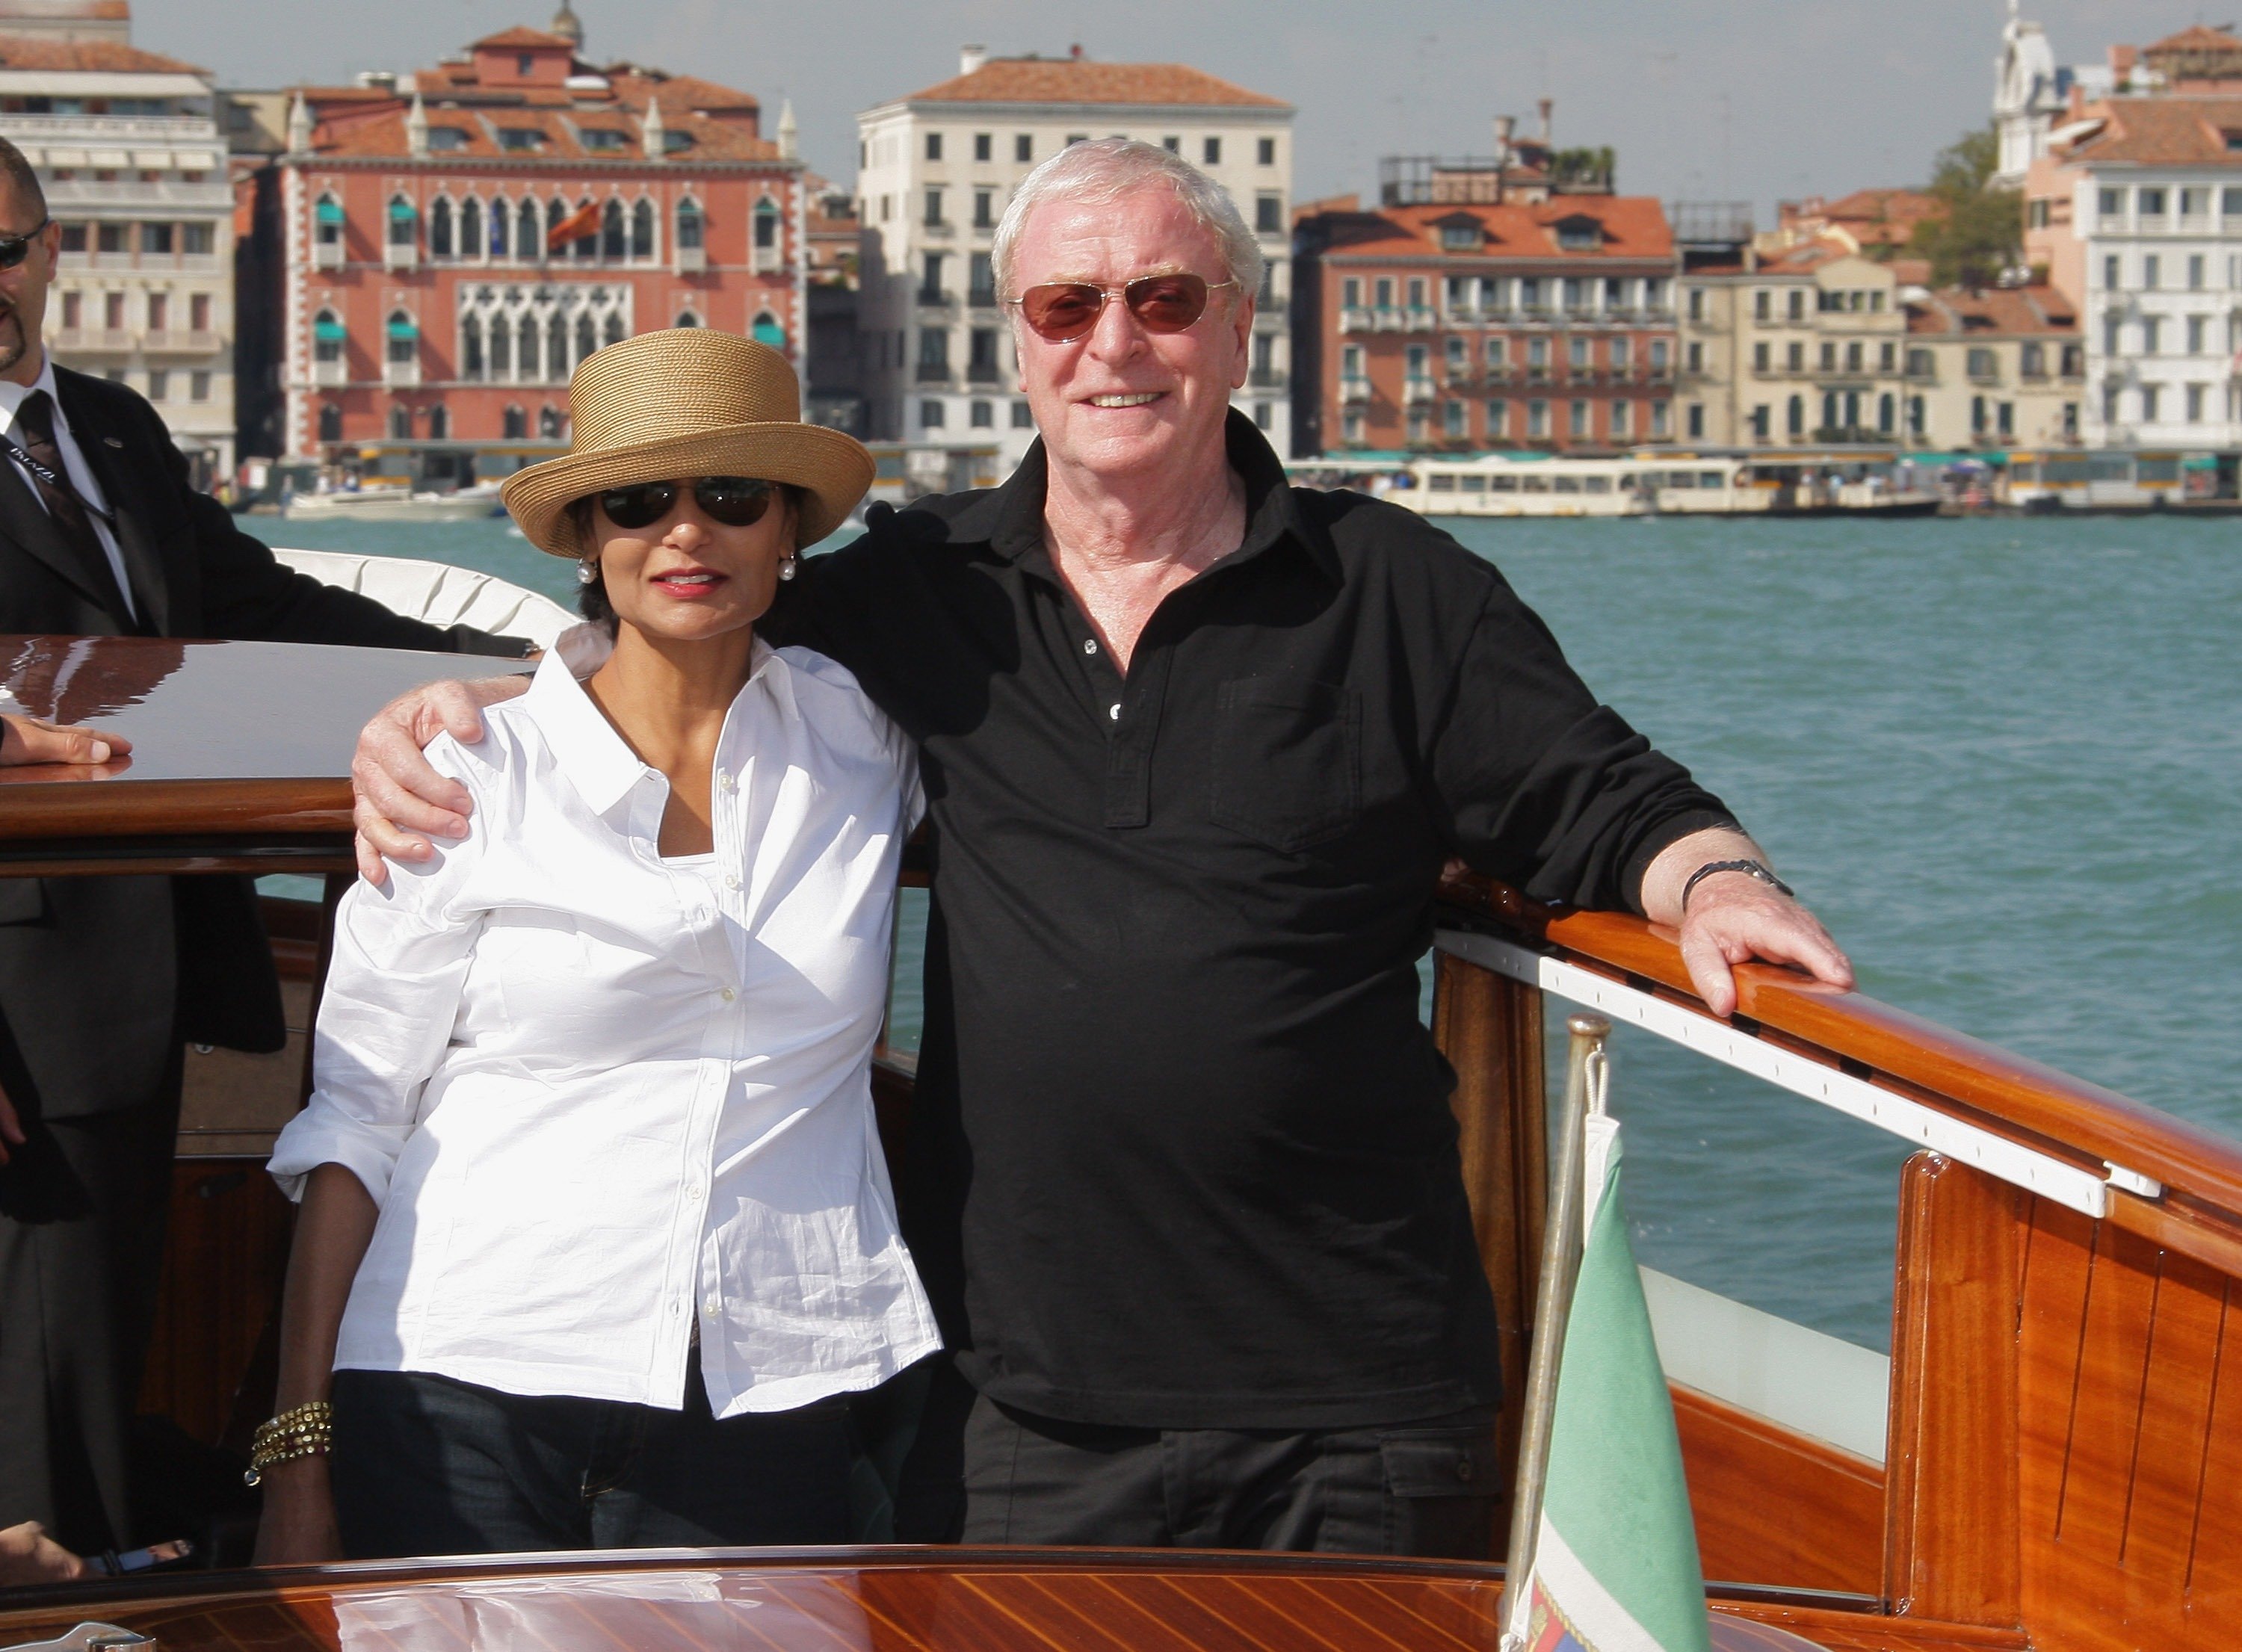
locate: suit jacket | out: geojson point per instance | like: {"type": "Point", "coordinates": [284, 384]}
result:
{"type": "Point", "coordinates": [101, 978]}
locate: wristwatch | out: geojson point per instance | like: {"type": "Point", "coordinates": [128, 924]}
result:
{"type": "Point", "coordinates": [1749, 868]}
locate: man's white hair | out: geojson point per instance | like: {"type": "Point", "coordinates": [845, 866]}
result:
{"type": "Point", "coordinates": [1100, 173]}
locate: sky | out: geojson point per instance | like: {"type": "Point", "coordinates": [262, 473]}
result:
{"type": "Point", "coordinates": [1704, 100]}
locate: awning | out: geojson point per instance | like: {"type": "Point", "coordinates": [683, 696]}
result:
{"type": "Point", "coordinates": [328, 332]}
{"type": "Point", "coordinates": [329, 210]}
{"type": "Point", "coordinates": [110, 159]}
{"type": "Point", "coordinates": [402, 329]}
{"type": "Point", "coordinates": [153, 160]}
{"type": "Point", "coordinates": [67, 157]}
{"type": "Point", "coordinates": [402, 211]}
{"type": "Point", "coordinates": [768, 333]}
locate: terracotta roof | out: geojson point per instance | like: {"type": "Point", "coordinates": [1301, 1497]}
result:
{"type": "Point", "coordinates": [1809, 256]}
{"type": "Point", "coordinates": [1955, 313]}
{"type": "Point", "coordinates": [1911, 272]}
{"type": "Point", "coordinates": [1634, 227]}
{"type": "Point", "coordinates": [519, 39]}
{"type": "Point", "coordinates": [2161, 131]}
{"type": "Point", "coordinates": [99, 56]}
{"type": "Point", "coordinates": [626, 86]}
{"type": "Point", "coordinates": [1080, 80]}
{"type": "Point", "coordinates": [382, 133]}
{"type": "Point", "coordinates": [2197, 37]}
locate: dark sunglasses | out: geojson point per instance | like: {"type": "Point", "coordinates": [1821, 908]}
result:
{"type": "Point", "coordinates": [735, 501]}
{"type": "Point", "coordinates": [14, 249]}
{"type": "Point", "coordinates": [1063, 311]}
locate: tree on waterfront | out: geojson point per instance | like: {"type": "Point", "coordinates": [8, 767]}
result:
{"type": "Point", "coordinates": [1980, 232]}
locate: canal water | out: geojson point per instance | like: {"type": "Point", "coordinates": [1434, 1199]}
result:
{"type": "Point", "coordinates": [2002, 757]}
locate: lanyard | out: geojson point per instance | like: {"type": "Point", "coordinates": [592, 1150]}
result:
{"type": "Point", "coordinates": [47, 473]}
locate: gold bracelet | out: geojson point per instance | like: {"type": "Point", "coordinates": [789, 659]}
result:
{"type": "Point", "coordinates": [302, 1431]}
{"type": "Point", "coordinates": [318, 1412]}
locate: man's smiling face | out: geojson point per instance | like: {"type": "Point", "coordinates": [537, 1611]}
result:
{"type": "Point", "coordinates": [1122, 400]}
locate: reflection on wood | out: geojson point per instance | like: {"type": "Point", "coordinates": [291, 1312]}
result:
{"type": "Point", "coordinates": [1774, 1506]}
{"type": "Point", "coordinates": [222, 1262]}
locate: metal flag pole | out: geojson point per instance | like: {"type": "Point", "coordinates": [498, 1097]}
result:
{"type": "Point", "coordinates": [1560, 1263]}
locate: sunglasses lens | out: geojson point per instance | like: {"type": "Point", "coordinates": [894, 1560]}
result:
{"type": "Point", "coordinates": [1167, 303]}
{"type": "Point", "coordinates": [1062, 310]}
{"type": "Point", "coordinates": [13, 250]}
{"type": "Point", "coordinates": [640, 506]}
{"type": "Point", "coordinates": [737, 501]}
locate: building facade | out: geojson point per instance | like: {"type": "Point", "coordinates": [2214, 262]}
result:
{"type": "Point", "coordinates": [1545, 323]}
{"type": "Point", "coordinates": [1999, 368]}
{"type": "Point", "coordinates": [935, 171]}
{"type": "Point", "coordinates": [450, 245]}
{"type": "Point", "coordinates": [2135, 213]}
{"type": "Point", "coordinates": [128, 149]}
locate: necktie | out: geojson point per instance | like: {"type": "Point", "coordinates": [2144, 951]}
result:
{"type": "Point", "coordinates": [35, 426]}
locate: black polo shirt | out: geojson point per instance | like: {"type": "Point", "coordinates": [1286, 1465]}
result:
{"type": "Point", "coordinates": [1182, 1154]}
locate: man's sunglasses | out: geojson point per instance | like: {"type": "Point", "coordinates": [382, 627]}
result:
{"type": "Point", "coordinates": [14, 249]}
{"type": "Point", "coordinates": [1063, 311]}
{"type": "Point", "coordinates": [735, 501]}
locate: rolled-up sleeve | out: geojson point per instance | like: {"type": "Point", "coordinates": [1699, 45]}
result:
{"type": "Point", "coordinates": [400, 959]}
{"type": "Point", "coordinates": [1544, 788]}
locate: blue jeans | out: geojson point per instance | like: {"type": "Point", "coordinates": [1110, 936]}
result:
{"type": "Point", "coordinates": [424, 1465]}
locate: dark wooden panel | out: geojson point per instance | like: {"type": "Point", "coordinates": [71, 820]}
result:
{"type": "Point", "coordinates": [222, 1262]}
{"type": "Point", "coordinates": [1489, 1028]}
{"type": "Point", "coordinates": [1950, 1544]}
{"type": "Point", "coordinates": [1774, 1507]}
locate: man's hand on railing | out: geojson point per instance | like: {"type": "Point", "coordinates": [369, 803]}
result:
{"type": "Point", "coordinates": [399, 797]}
{"type": "Point", "coordinates": [1734, 917]}
{"type": "Point", "coordinates": [32, 739]}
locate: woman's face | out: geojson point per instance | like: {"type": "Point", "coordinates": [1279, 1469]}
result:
{"type": "Point", "coordinates": [687, 575]}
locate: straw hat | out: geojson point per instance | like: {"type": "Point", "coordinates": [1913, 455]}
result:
{"type": "Point", "coordinates": [686, 402]}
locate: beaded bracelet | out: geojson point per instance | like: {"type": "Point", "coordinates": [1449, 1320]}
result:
{"type": "Point", "coordinates": [303, 1431]}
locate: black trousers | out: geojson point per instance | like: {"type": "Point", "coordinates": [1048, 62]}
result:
{"type": "Point", "coordinates": [83, 1205]}
{"type": "Point", "coordinates": [424, 1465]}
{"type": "Point", "coordinates": [1426, 1489]}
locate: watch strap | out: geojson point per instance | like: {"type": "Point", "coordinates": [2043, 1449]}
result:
{"type": "Point", "coordinates": [1750, 869]}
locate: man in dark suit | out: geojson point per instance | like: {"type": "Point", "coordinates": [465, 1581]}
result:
{"type": "Point", "coordinates": [102, 979]}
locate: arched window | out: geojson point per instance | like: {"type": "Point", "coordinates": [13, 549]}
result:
{"type": "Point", "coordinates": [327, 223]}
{"type": "Point", "coordinates": [400, 424]}
{"type": "Point", "coordinates": [525, 361]}
{"type": "Point", "coordinates": [586, 245]}
{"type": "Point", "coordinates": [530, 234]}
{"type": "Point", "coordinates": [767, 226]}
{"type": "Point", "coordinates": [556, 349]}
{"type": "Point", "coordinates": [470, 228]}
{"type": "Point", "coordinates": [642, 229]}
{"type": "Point", "coordinates": [327, 336]}
{"type": "Point", "coordinates": [330, 422]}
{"type": "Point", "coordinates": [516, 424]}
{"type": "Point", "coordinates": [501, 229]}
{"type": "Point", "coordinates": [687, 319]}
{"type": "Point", "coordinates": [613, 333]}
{"type": "Point", "coordinates": [439, 228]}
{"type": "Point", "coordinates": [404, 338]}
{"type": "Point", "coordinates": [403, 222]}
{"type": "Point", "coordinates": [690, 224]}
{"type": "Point", "coordinates": [766, 331]}
{"type": "Point", "coordinates": [471, 348]}
{"type": "Point", "coordinates": [440, 423]}
{"type": "Point", "coordinates": [501, 348]}
{"type": "Point", "coordinates": [549, 423]}
{"type": "Point", "coordinates": [614, 236]}
{"type": "Point", "coordinates": [588, 338]}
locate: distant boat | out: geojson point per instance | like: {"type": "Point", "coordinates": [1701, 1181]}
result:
{"type": "Point", "coordinates": [393, 504]}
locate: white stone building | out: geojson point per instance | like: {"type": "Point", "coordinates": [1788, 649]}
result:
{"type": "Point", "coordinates": [128, 147]}
{"type": "Point", "coordinates": [935, 171]}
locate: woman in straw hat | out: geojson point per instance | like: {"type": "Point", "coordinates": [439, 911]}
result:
{"type": "Point", "coordinates": [596, 1235]}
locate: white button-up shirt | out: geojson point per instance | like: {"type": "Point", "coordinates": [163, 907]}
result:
{"type": "Point", "coordinates": [598, 1095]}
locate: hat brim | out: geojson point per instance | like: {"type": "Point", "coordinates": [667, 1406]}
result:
{"type": "Point", "coordinates": [832, 469]}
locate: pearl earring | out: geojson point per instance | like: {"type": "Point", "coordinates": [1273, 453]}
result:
{"type": "Point", "coordinates": [587, 570]}
{"type": "Point", "coordinates": [788, 564]}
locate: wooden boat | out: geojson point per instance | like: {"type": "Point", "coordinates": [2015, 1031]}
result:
{"type": "Point", "coordinates": [2057, 1465]}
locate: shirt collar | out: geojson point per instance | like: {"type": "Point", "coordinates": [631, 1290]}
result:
{"type": "Point", "coordinates": [1010, 518]}
{"type": "Point", "coordinates": [599, 763]}
{"type": "Point", "coordinates": [13, 395]}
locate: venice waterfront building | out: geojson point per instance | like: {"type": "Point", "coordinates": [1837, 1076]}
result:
{"type": "Point", "coordinates": [935, 171]}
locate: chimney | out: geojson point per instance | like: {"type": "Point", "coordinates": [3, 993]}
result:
{"type": "Point", "coordinates": [969, 59]}
{"type": "Point", "coordinates": [1504, 126]}
{"type": "Point", "coordinates": [1547, 105]}
{"type": "Point", "coordinates": [1074, 53]}
{"type": "Point", "coordinates": [789, 147]}
{"type": "Point", "coordinates": [299, 126]}
{"type": "Point", "coordinates": [416, 127]}
{"type": "Point", "coordinates": [652, 139]}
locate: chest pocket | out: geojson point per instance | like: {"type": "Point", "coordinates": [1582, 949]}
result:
{"type": "Point", "coordinates": [1287, 759]}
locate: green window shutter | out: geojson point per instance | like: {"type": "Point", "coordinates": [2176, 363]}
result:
{"type": "Point", "coordinates": [328, 332]}
{"type": "Point", "coordinates": [329, 211]}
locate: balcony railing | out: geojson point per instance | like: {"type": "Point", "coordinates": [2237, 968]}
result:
{"type": "Point", "coordinates": [169, 192]}
{"type": "Point", "coordinates": [933, 372]}
{"type": "Point", "coordinates": [400, 254]}
{"type": "Point", "coordinates": [401, 372]}
{"type": "Point", "coordinates": [327, 255]}
{"type": "Point", "coordinates": [1266, 378]}
{"type": "Point", "coordinates": [692, 260]}
{"type": "Point", "coordinates": [1418, 389]}
{"type": "Point", "coordinates": [933, 298]}
{"type": "Point", "coordinates": [981, 298]}
{"type": "Point", "coordinates": [983, 372]}
{"type": "Point", "coordinates": [108, 339]}
{"type": "Point", "coordinates": [1354, 389]}
{"type": "Point", "coordinates": [330, 372]}
{"type": "Point", "coordinates": [1356, 319]}
{"type": "Point", "coordinates": [1420, 318]}
{"type": "Point", "coordinates": [180, 341]}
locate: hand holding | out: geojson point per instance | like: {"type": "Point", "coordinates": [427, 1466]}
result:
{"type": "Point", "coordinates": [1732, 918]}
{"type": "Point", "coordinates": [399, 797]}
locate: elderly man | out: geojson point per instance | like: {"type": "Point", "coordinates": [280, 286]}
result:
{"type": "Point", "coordinates": [1197, 744]}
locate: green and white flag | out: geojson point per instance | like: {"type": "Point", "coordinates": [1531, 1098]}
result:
{"type": "Point", "coordinates": [1615, 1559]}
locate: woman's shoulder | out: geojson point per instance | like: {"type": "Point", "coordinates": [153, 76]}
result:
{"type": "Point", "coordinates": [833, 703]}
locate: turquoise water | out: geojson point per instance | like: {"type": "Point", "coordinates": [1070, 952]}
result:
{"type": "Point", "coordinates": [2002, 759]}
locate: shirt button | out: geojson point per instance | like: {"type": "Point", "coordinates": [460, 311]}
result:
{"type": "Point", "coordinates": [731, 880]}
{"type": "Point", "coordinates": [728, 994]}
{"type": "Point", "coordinates": [715, 1307]}
{"type": "Point", "coordinates": [1089, 645]}
{"type": "Point", "coordinates": [724, 781]}
{"type": "Point", "coordinates": [1114, 712]}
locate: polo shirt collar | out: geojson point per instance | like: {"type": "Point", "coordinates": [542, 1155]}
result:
{"type": "Point", "coordinates": [599, 763]}
{"type": "Point", "coordinates": [1010, 518]}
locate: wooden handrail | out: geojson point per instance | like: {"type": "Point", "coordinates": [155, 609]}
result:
{"type": "Point", "coordinates": [1947, 1070]}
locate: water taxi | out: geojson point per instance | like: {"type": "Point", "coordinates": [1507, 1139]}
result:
{"type": "Point", "coordinates": [394, 504]}
{"type": "Point", "coordinates": [1639, 485]}
{"type": "Point", "coordinates": [2049, 1458]}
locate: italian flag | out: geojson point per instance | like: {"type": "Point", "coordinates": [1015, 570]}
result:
{"type": "Point", "coordinates": [1616, 1560]}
